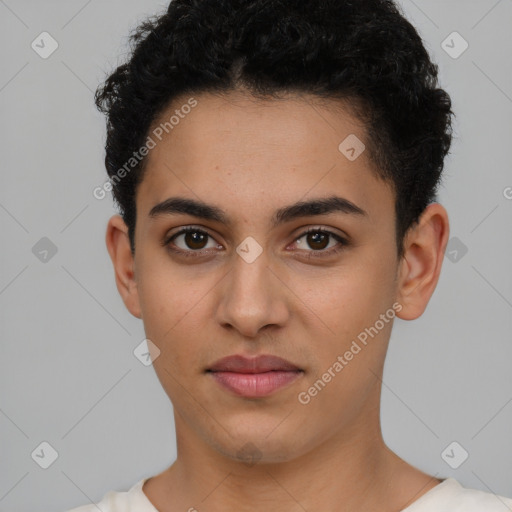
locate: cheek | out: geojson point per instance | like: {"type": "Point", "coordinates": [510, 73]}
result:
{"type": "Point", "coordinates": [346, 304]}
{"type": "Point", "coordinates": [176, 316]}
{"type": "Point", "coordinates": [165, 302]}
{"type": "Point", "coordinates": [349, 298]}
{"type": "Point", "coordinates": [166, 294]}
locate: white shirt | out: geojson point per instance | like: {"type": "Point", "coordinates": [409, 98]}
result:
{"type": "Point", "coordinates": [448, 496]}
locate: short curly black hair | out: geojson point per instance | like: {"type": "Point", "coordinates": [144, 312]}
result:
{"type": "Point", "coordinates": [363, 51]}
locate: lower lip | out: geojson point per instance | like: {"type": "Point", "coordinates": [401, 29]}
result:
{"type": "Point", "coordinates": [255, 385]}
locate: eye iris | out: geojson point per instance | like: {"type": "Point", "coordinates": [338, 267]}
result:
{"type": "Point", "coordinates": [195, 240]}
{"type": "Point", "coordinates": [317, 237]}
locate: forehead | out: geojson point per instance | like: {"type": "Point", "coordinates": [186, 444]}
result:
{"type": "Point", "coordinates": [233, 149]}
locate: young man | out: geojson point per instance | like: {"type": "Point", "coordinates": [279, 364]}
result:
{"type": "Point", "coordinates": [276, 164]}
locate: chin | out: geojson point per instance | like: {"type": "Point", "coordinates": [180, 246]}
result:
{"type": "Point", "coordinates": [257, 447]}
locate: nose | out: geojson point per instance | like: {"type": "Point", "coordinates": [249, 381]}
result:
{"type": "Point", "coordinates": [252, 297]}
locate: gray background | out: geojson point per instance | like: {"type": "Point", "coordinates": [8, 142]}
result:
{"type": "Point", "coordinates": [68, 374]}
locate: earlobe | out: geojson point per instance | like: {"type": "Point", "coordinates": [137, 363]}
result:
{"type": "Point", "coordinates": [118, 246]}
{"type": "Point", "coordinates": [424, 248]}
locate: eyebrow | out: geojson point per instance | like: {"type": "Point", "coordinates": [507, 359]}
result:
{"type": "Point", "coordinates": [199, 209]}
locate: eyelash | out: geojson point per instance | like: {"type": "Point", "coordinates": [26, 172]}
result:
{"type": "Point", "coordinates": [343, 243]}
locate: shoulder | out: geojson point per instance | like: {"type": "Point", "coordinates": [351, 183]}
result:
{"type": "Point", "coordinates": [451, 496]}
{"type": "Point", "coordinates": [476, 500]}
{"type": "Point", "coordinates": [121, 501]}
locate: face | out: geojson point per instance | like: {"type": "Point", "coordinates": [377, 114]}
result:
{"type": "Point", "coordinates": [255, 275]}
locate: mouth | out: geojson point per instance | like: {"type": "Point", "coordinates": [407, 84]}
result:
{"type": "Point", "coordinates": [254, 377]}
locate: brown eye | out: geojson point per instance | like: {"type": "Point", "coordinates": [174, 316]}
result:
{"type": "Point", "coordinates": [195, 239]}
{"type": "Point", "coordinates": [189, 241]}
{"type": "Point", "coordinates": [318, 240]}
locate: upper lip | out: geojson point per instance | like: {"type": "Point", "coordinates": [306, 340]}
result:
{"type": "Point", "coordinates": [258, 364]}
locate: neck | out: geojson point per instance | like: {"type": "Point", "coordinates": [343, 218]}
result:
{"type": "Point", "coordinates": [350, 471]}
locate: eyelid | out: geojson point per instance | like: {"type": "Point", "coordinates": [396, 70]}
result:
{"type": "Point", "coordinates": [186, 229]}
{"type": "Point", "coordinates": [342, 240]}
{"type": "Point", "coordinates": [322, 229]}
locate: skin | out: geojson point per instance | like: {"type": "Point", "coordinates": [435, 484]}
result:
{"type": "Point", "coordinates": [251, 157]}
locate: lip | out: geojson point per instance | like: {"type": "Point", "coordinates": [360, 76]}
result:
{"type": "Point", "coordinates": [259, 364]}
{"type": "Point", "coordinates": [254, 377]}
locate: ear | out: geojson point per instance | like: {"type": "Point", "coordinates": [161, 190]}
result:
{"type": "Point", "coordinates": [118, 245]}
{"type": "Point", "coordinates": [420, 267]}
